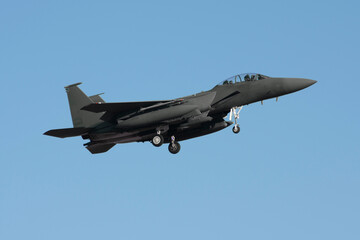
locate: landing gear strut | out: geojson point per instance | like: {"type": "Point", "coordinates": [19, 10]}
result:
{"type": "Point", "coordinates": [235, 111]}
{"type": "Point", "coordinates": [174, 147]}
{"type": "Point", "coordinates": [157, 140]}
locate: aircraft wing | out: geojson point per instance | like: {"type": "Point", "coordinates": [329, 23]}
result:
{"type": "Point", "coordinates": [115, 109]}
{"type": "Point", "coordinates": [124, 110]}
{"type": "Point", "coordinates": [118, 107]}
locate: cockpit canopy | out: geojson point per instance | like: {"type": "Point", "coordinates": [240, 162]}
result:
{"type": "Point", "coordinates": [244, 77]}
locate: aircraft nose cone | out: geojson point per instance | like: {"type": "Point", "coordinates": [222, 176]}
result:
{"type": "Point", "coordinates": [296, 84]}
{"type": "Point", "coordinates": [309, 82]}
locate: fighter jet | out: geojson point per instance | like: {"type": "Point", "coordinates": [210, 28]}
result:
{"type": "Point", "coordinates": [169, 121]}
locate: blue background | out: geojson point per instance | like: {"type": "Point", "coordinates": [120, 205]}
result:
{"type": "Point", "coordinates": [292, 172]}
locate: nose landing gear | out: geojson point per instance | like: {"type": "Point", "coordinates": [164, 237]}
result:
{"type": "Point", "coordinates": [236, 129]}
{"type": "Point", "coordinates": [235, 111]}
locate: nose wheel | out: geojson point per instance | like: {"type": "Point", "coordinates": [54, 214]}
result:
{"type": "Point", "coordinates": [174, 147]}
{"type": "Point", "coordinates": [236, 129]}
{"type": "Point", "coordinates": [235, 111]}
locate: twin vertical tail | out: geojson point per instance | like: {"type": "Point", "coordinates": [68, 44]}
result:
{"type": "Point", "coordinates": [83, 121]}
{"type": "Point", "coordinates": [77, 100]}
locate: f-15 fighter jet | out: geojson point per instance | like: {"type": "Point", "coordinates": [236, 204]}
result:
{"type": "Point", "coordinates": [169, 121]}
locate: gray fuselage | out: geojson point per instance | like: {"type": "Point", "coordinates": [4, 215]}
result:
{"type": "Point", "coordinates": [195, 116]}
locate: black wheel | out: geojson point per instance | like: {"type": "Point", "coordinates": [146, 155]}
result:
{"type": "Point", "coordinates": [236, 129]}
{"type": "Point", "coordinates": [174, 148]}
{"type": "Point", "coordinates": [157, 140]}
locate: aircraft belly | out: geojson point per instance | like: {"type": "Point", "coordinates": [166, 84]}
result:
{"type": "Point", "coordinates": [110, 135]}
{"type": "Point", "coordinates": [118, 137]}
{"type": "Point", "coordinates": [208, 129]}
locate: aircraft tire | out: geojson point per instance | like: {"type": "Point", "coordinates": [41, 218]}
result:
{"type": "Point", "coordinates": [157, 140]}
{"type": "Point", "coordinates": [174, 148]}
{"type": "Point", "coordinates": [236, 129]}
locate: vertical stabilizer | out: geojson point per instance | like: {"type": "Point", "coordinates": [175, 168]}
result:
{"type": "Point", "coordinates": [96, 98]}
{"type": "Point", "coordinates": [77, 100]}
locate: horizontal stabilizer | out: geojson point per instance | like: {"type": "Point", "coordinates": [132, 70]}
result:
{"type": "Point", "coordinates": [67, 132]}
{"type": "Point", "coordinates": [100, 148]}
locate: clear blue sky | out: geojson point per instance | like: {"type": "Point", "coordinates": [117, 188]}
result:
{"type": "Point", "coordinates": [292, 172]}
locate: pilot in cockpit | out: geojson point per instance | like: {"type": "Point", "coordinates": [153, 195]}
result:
{"type": "Point", "coordinates": [247, 78]}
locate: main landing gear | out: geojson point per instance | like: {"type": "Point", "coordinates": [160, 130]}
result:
{"type": "Point", "coordinates": [158, 140]}
{"type": "Point", "coordinates": [174, 147]}
{"type": "Point", "coordinates": [235, 111]}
